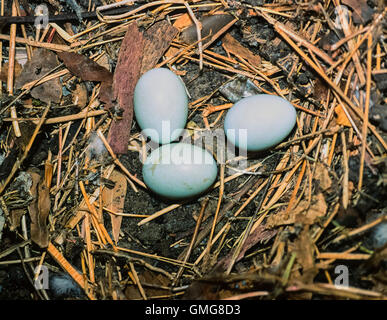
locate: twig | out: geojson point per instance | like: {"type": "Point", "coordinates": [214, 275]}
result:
{"type": "Point", "coordinates": [78, 278]}
{"type": "Point", "coordinates": [118, 162]}
{"type": "Point", "coordinates": [11, 56]}
{"type": "Point", "coordinates": [248, 228]}
{"type": "Point", "coordinates": [345, 197]}
{"type": "Point", "coordinates": [15, 123]}
{"type": "Point", "coordinates": [346, 29]}
{"type": "Point", "coordinates": [138, 283]}
{"type": "Point", "coordinates": [189, 250]}
{"type": "Point", "coordinates": [133, 259]}
{"type": "Point", "coordinates": [366, 110]}
{"type": "Point", "coordinates": [32, 43]}
{"type": "Point", "coordinates": [198, 32]}
{"type": "Point", "coordinates": [343, 256]}
{"type": "Point", "coordinates": [360, 229]}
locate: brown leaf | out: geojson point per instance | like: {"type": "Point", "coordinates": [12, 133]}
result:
{"type": "Point", "coordinates": [210, 26]}
{"type": "Point", "coordinates": [44, 204]}
{"type": "Point", "coordinates": [42, 62]}
{"type": "Point", "coordinates": [114, 200]}
{"type": "Point", "coordinates": [126, 76]}
{"type": "Point", "coordinates": [80, 96]}
{"type": "Point", "coordinates": [39, 209]}
{"type": "Point", "coordinates": [305, 269]}
{"type": "Point", "coordinates": [322, 176]}
{"type": "Point", "coordinates": [304, 248]}
{"type": "Point", "coordinates": [157, 40]}
{"type": "Point", "coordinates": [362, 12]}
{"type": "Point", "coordinates": [305, 213]}
{"type": "Point", "coordinates": [260, 234]}
{"type": "Point", "coordinates": [84, 67]}
{"type": "Point", "coordinates": [89, 70]}
{"type": "Point", "coordinates": [233, 46]}
{"type": "Point", "coordinates": [341, 117]}
{"type": "Point", "coordinates": [320, 90]}
{"type": "Point", "coordinates": [132, 292]}
{"type": "Point", "coordinates": [15, 216]}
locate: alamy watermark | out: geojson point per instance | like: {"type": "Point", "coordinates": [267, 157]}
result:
{"type": "Point", "coordinates": [41, 280]}
{"type": "Point", "coordinates": [341, 16]}
{"type": "Point", "coordinates": [41, 13]}
{"type": "Point", "coordinates": [342, 278]}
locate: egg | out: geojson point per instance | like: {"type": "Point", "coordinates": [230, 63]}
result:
{"type": "Point", "coordinates": [179, 170]}
{"type": "Point", "coordinates": [161, 105]}
{"type": "Point", "coordinates": [259, 122]}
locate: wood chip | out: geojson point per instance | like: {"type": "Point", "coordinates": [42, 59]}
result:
{"type": "Point", "coordinates": [232, 45]}
{"type": "Point", "coordinates": [157, 40]}
{"type": "Point", "coordinates": [125, 78]}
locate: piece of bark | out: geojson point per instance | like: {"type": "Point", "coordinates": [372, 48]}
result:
{"type": "Point", "coordinates": [125, 78]}
{"type": "Point", "coordinates": [157, 40]}
{"type": "Point", "coordinates": [233, 46]}
{"type": "Point", "coordinates": [89, 70]}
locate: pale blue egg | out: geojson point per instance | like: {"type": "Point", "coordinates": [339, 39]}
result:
{"type": "Point", "coordinates": [259, 122]}
{"type": "Point", "coordinates": [161, 105]}
{"type": "Point", "coordinates": [179, 170]}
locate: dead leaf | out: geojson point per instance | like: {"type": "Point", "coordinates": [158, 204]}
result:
{"type": "Point", "coordinates": [362, 12]}
{"type": "Point", "coordinates": [114, 200]}
{"type": "Point", "coordinates": [260, 234]}
{"type": "Point", "coordinates": [304, 248]}
{"type": "Point", "coordinates": [210, 26]}
{"type": "Point", "coordinates": [42, 62]}
{"type": "Point", "coordinates": [126, 76]}
{"type": "Point", "coordinates": [89, 70]}
{"type": "Point", "coordinates": [132, 292]}
{"type": "Point", "coordinates": [39, 209]}
{"type": "Point", "coordinates": [157, 40]}
{"type": "Point", "coordinates": [79, 97]}
{"type": "Point", "coordinates": [341, 117]}
{"type": "Point", "coordinates": [305, 213]}
{"type": "Point", "coordinates": [320, 90]}
{"type": "Point", "coordinates": [322, 176]}
{"type": "Point", "coordinates": [233, 46]}
{"type": "Point", "coordinates": [15, 216]}
{"type": "Point", "coordinates": [306, 269]}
